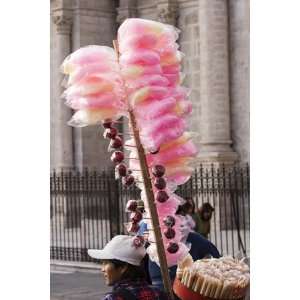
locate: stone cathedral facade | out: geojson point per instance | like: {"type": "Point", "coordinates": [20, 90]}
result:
{"type": "Point", "coordinates": [215, 40]}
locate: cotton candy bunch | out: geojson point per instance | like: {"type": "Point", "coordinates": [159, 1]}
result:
{"type": "Point", "coordinates": [150, 66]}
{"type": "Point", "coordinates": [143, 81]}
{"type": "Point", "coordinates": [94, 85]}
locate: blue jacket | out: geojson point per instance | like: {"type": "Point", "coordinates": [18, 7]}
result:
{"type": "Point", "coordinates": [200, 247]}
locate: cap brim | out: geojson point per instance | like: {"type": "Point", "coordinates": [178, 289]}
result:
{"type": "Point", "coordinates": [99, 254]}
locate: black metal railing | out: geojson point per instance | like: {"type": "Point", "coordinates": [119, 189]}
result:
{"type": "Point", "coordinates": [87, 208]}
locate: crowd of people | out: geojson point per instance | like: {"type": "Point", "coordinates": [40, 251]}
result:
{"type": "Point", "coordinates": [133, 275]}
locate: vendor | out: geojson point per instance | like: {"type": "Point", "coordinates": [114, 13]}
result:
{"type": "Point", "coordinates": [121, 265]}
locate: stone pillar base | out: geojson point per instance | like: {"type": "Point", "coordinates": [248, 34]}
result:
{"type": "Point", "coordinates": [217, 158]}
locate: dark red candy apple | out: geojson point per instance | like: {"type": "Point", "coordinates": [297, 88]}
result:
{"type": "Point", "coordinates": [172, 247]}
{"type": "Point", "coordinates": [133, 227]}
{"type": "Point", "coordinates": [107, 123]}
{"type": "Point", "coordinates": [136, 216]}
{"type": "Point", "coordinates": [131, 205]}
{"type": "Point", "coordinates": [169, 221]}
{"type": "Point", "coordinates": [138, 241]}
{"type": "Point", "coordinates": [110, 133]}
{"type": "Point", "coordinates": [160, 183]}
{"type": "Point", "coordinates": [121, 170]}
{"type": "Point", "coordinates": [128, 180]}
{"type": "Point", "coordinates": [161, 196]}
{"type": "Point", "coordinates": [158, 170]}
{"type": "Point", "coordinates": [116, 143]}
{"type": "Point", "coordinates": [117, 157]}
{"type": "Point", "coordinates": [169, 233]}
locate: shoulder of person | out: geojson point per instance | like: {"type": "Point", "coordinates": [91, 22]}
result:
{"type": "Point", "coordinates": [195, 237]}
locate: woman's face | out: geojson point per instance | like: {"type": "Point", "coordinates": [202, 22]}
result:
{"type": "Point", "coordinates": [111, 273]}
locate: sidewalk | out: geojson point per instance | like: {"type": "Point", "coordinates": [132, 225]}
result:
{"type": "Point", "coordinates": [80, 281]}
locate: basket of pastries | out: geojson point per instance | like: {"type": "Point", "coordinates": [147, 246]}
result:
{"type": "Point", "coordinates": [211, 279]}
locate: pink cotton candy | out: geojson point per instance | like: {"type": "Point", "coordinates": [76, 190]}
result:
{"type": "Point", "coordinates": [171, 69]}
{"type": "Point", "coordinates": [147, 93]}
{"type": "Point", "coordinates": [164, 129]}
{"type": "Point", "coordinates": [106, 100]}
{"type": "Point", "coordinates": [88, 89]}
{"type": "Point", "coordinates": [186, 136]}
{"type": "Point", "coordinates": [92, 69]}
{"type": "Point", "coordinates": [93, 85]}
{"type": "Point", "coordinates": [143, 57]}
{"type": "Point", "coordinates": [147, 80]}
{"type": "Point", "coordinates": [183, 108]}
{"type": "Point", "coordinates": [172, 259]}
{"type": "Point", "coordinates": [173, 79]}
{"type": "Point", "coordinates": [142, 26]}
{"type": "Point", "coordinates": [135, 71]}
{"type": "Point", "coordinates": [180, 150]}
{"type": "Point", "coordinates": [89, 54]}
{"type": "Point", "coordinates": [86, 117]}
{"type": "Point", "coordinates": [152, 109]}
{"type": "Point", "coordinates": [170, 58]}
{"type": "Point", "coordinates": [168, 207]}
{"type": "Point", "coordinates": [179, 175]}
{"type": "Point", "coordinates": [138, 42]}
{"type": "Point", "coordinates": [147, 41]}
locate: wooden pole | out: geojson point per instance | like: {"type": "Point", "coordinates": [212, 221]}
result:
{"type": "Point", "coordinates": [150, 199]}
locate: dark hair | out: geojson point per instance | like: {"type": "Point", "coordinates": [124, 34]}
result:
{"type": "Point", "coordinates": [132, 272]}
{"type": "Point", "coordinates": [206, 207]}
{"type": "Point", "coordinates": [183, 209]}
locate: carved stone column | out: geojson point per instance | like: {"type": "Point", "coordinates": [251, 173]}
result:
{"type": "Point", "coordinates": [167, 11]}
{"type": "Point", "coordinates": [127, 9]}
{"type": "Point", "coordinates": [61, 133]}
{"type": "Point", "coordinates": [215, 125]}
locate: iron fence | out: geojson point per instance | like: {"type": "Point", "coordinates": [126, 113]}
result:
{"type": "Point", "coordinates": [88, 208]}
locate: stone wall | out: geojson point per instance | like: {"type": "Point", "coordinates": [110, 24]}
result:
{"type": "Point", "coordinates": [239, 77]}
{"type": "Point", "coordinates": [188, 23]}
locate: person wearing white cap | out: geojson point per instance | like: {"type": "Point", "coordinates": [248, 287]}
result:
{"type": "Point", "coordinates": [121, 261]}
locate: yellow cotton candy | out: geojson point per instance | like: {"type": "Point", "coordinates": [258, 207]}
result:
{"type": "Point", "coordinates": [179, 161]}
{"type": "Point", "coordinates": [132, 72]}
{"type": "Point", "coordinates": [84, 118]}
{"type": "Point", "coordinates": [67, 68]}
{"type": "Point", "coordinates": [139, 96]}
{"type": "Point", "coordinates": [171, 58]}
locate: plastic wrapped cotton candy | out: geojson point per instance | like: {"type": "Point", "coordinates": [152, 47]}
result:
{"type": "Point", "coordinates": [140, 27]}
{"type": "Point", "coordinates": [146, 80]}
{"type": "Point", "coordinates": [164, 129]}
{"type": "Point", "coordinates": [143, 57]}
{"type": "Point", "coordinates": [84, 71]}
{"type": "Point", "coordinates": [147, 93]}
{"type": "Point", "coordinates": [185, 149]}
{"type": "Point", "coordinates": [84, 118]}
{"type": "Point", "coordinates": [136, 34]}
{"type": "Point", "coordinates": [95, 86]}
{"type": "Point", "coordinates": [153, 109]}
{"type": "Point", "coordinates": [86, 56]}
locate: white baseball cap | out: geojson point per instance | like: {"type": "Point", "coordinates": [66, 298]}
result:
{"type": "Point", "coordinates": [121, 247]}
